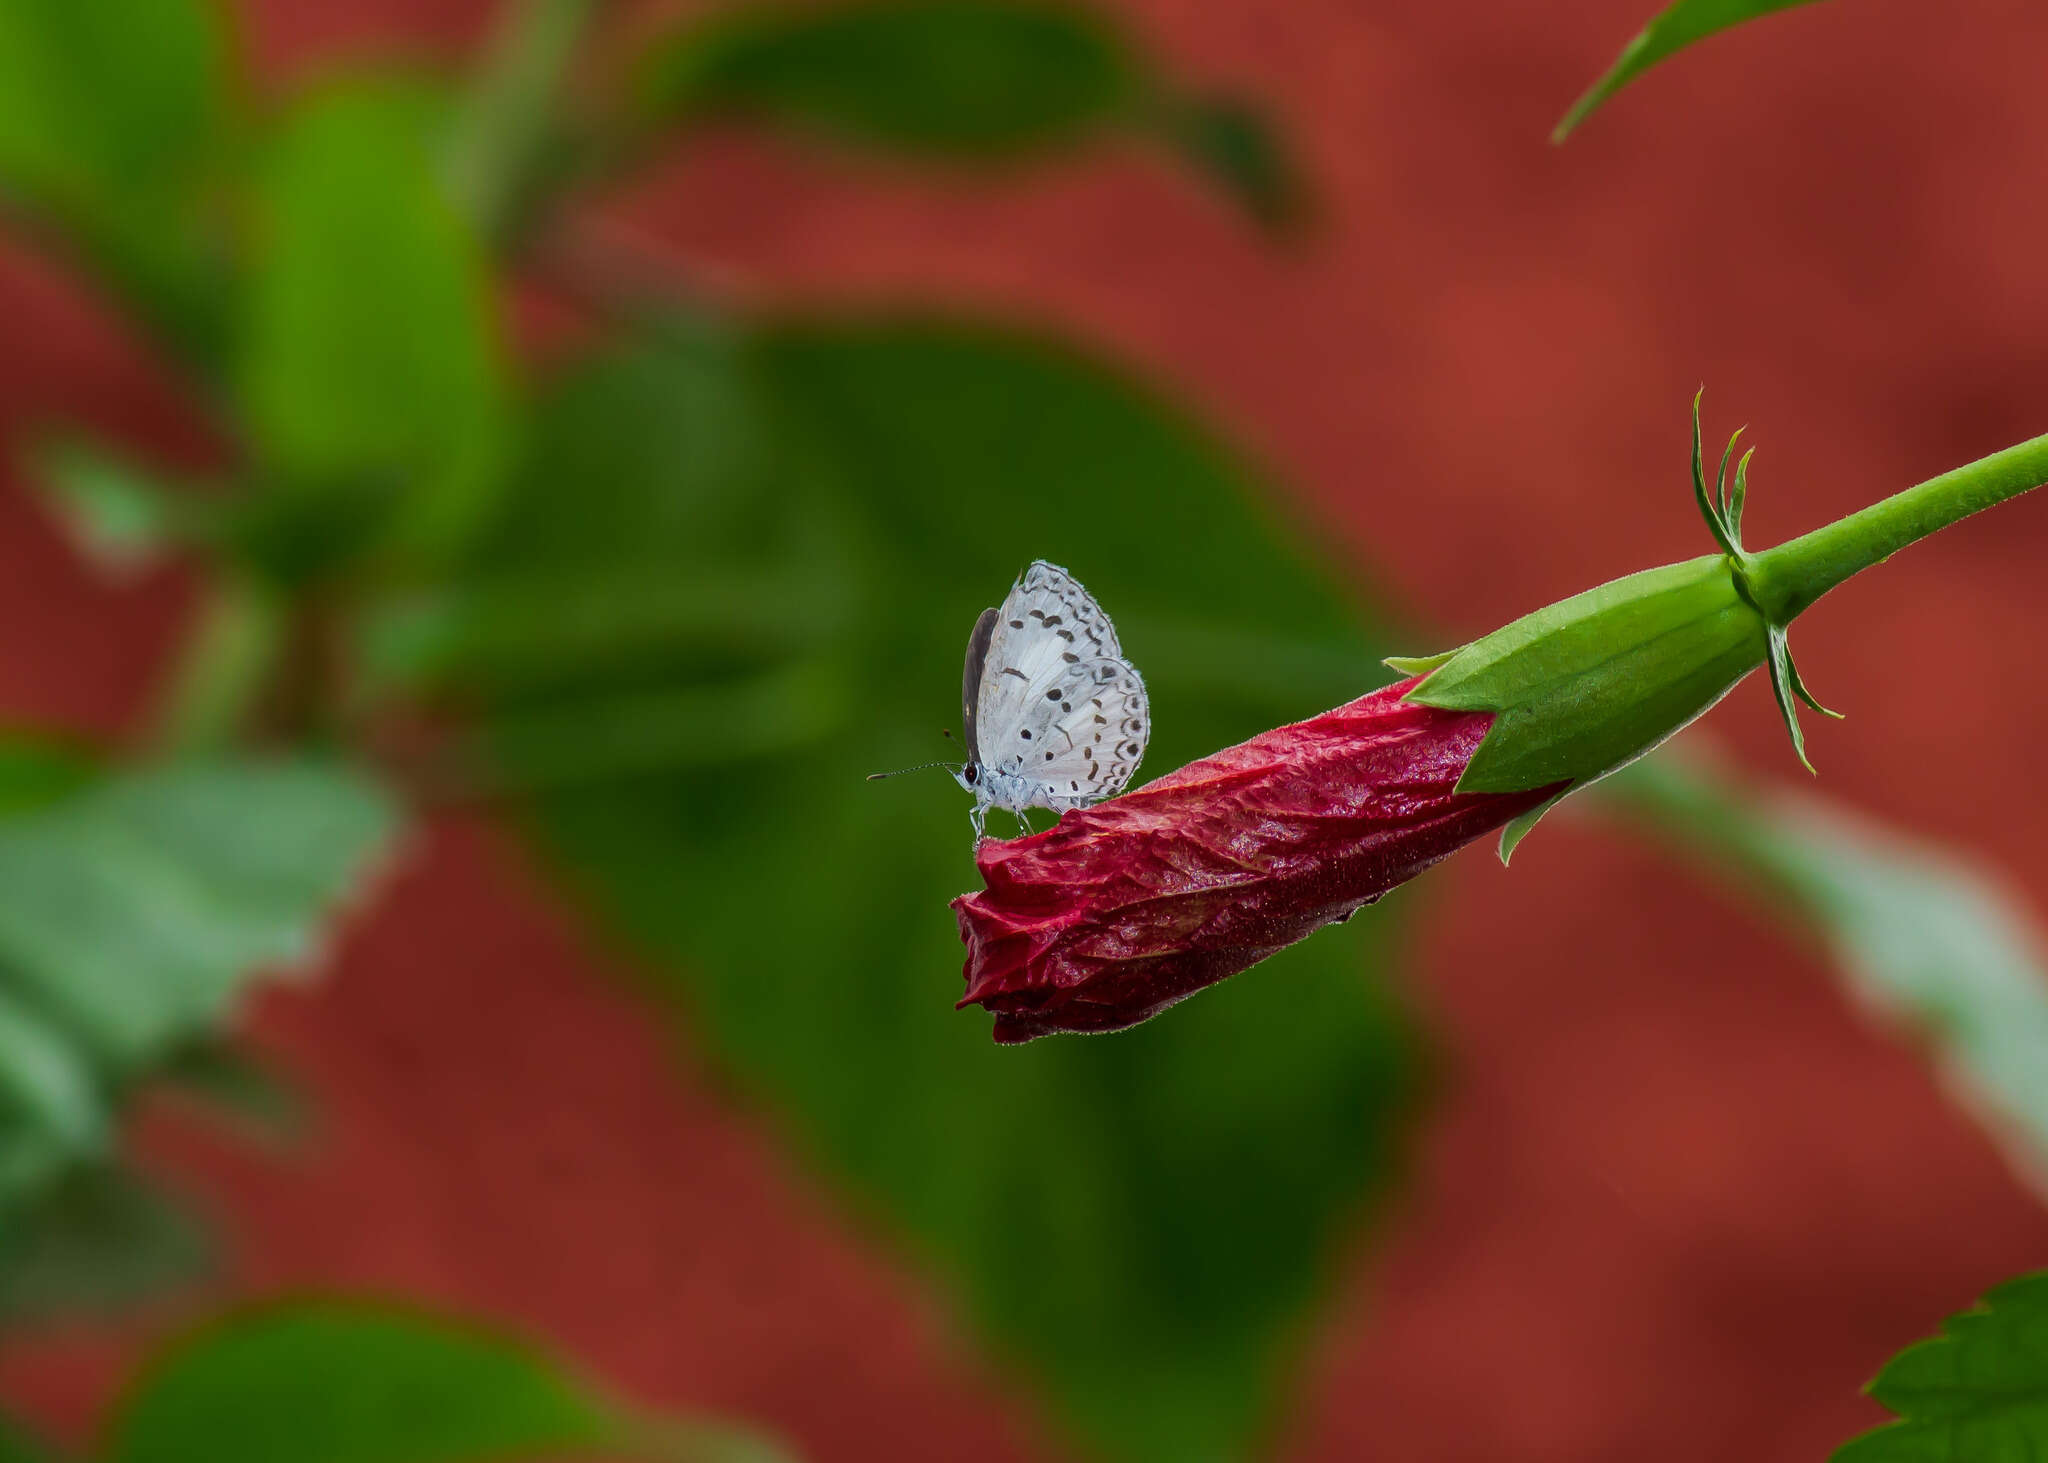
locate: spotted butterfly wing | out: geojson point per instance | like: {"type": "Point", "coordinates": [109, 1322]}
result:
{"type": "Point", "coordinates": [1059, 717]}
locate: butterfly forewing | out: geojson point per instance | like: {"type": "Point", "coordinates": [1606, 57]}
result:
{"type": "Point", "coordinates": [1057, 702]}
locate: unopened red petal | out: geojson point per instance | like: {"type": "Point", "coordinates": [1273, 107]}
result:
{"type": "Point", "coordinates": [1124, 908]}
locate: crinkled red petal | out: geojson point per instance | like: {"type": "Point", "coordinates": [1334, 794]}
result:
{"type": "Point", "coordinates": [1126, 907]}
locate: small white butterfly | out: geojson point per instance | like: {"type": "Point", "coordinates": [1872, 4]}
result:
{"type": "Point", "coordinates": [1055, 716]}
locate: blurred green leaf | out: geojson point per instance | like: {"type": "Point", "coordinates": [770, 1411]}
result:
{"type": "Point", "coordinates": [1671, 30]}
{"type": "Point", "coordinates": [349, 1383]}
{"type": "Point", "coordinates": [1235, 144]}
{"type": "Point", "coordinates": [370, 373]}
{"type": "Point", "coordinates": [1143, 1221]}
{"type": "Point", "coordinates": [36, 769]}
{"type": "Point", "coordinates": [19, 1445]}
{"type": "Point", "coordinates": [946, 78]}
{"type": "Point", "coordinates": [97, 1241]}
{"type": "Point", "coordinates": [1923, 938]}
{"type": "Point", "coordinates": [501, 138]}
{"type": "Point", "coordinates": [133, 912]}
{"type": "Point", "coordinates": [959, 81]}
{"type": "Point", "coordinates": [52, 1110]}
{"type": "Point", "coordinates": [1978, 1393]}
{"type": "Point", "coordinates": [112, 115]}
{"type": "Point", "coordinates": [134, 907]}
{"type": "Point", "coordinates": [683, 605]}
{"type": "Point", "coordinates": [233, 1087]}
{"type": "Point", "coordinates": [102, 97]}
{"type": "Point", "coordinates": [120, 515]}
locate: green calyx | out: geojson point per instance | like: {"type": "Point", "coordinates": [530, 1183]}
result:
{"type": "Point", "coordinates": [1585, 686]}
{"type": "Point", "coordinates": [1589, 684]}
{"type": "Point", "coordinates": [1722, 509]}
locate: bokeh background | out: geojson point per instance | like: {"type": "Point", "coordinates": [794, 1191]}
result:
{"type": "Point", "coordinates": [1669, 1193]}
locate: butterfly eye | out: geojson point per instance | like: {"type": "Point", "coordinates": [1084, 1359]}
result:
{"type": "Point", "coordinates": [973, 773]}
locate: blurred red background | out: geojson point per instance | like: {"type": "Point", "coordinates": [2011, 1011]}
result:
{"type": "Point", "coordinates": [1675, 1198]}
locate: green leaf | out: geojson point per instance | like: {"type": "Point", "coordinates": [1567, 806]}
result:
{"type": "Point", "coordinates": [37, 769]}
{"type": "Point", "coordinates": [19, 1445]}
{"type": "Point", "coordinates": [237, 1089]}
{"type": "Point", "coordinates": [134, 908]}
{"type": "Point", "coordinates": [351, 1383]}
{"type": "Point", "coordinates": [121, 516]}
{"type": "Point", "coordinates": [370, 371]}
{"type": "Point", "coordinates": [501, 138]}
{"type": "Point", "coordinates": [98, 1241]}
{"type": "Point", "coordinates": [1073, 1195]}
{"type": "Point", "coordinates": [51, 1107]}
{"type": "Point", "coordinates": [113, 115]}
{"type": "Point", "coordinates": [945, 78]}
{"type": "Point", "coordinates": [1672, 30]}
{"type": "Point", "coordinates": [133, 912]}
{"type": "Point", "coordinates": [1937, 946]}
{"type": "Point", "coordinates": [685, 609]}
{"type": "Point", "coordinates": [1236, 145]}
{"type": "Point", "coordinates": [958, 81]}
{"type": "Point", "coordinates": [1979, 1391]}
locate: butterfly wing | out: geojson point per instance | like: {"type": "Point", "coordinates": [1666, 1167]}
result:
{"type": "Point", "coordinates": [1057, 702]}
{"type": "Point", "coordinates": [970, 692]}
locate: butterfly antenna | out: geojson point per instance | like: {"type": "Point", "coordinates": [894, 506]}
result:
{"type": "Point", "coordinates": [920, 767]}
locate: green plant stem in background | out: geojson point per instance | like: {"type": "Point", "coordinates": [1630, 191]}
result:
{"type": "Point", "coordinates": [1793, 575]}
{"type": "Point", "coordinates": [223, 668]}
{"type": "Point", "coordinates": [500, 135]}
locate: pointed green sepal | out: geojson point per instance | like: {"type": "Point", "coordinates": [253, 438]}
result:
{"type": "Point", "coordinates": [1418, 665]}
{"type": "Point", "coordinates": [1710, 503]}
{"type": "Point", "coordinates": [1512, 835]}
{"type": "Point", "coordinates": [1780, 664]}
{"type": "Point", "coordinates": [1799, 687]}
{"type": "Point", "coordinates": [1739, 494]}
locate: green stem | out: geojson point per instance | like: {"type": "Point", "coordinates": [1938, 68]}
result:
{"type": "Point", "coordinates": [1793, 575]}
{"type": "Point", "coordinates": [499, 138]}
{"type": "Point", "coordinates": [223, 669]}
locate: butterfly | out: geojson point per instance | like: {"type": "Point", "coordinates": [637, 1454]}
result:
{"type": "Point", "coordinates": [1055, 717]}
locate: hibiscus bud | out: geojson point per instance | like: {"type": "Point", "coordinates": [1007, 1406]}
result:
{"type": "Point", "coordinates": [1128, 906]}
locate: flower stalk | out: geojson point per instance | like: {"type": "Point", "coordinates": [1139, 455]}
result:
{"type": "Point", "coordinates": [1790, 577]}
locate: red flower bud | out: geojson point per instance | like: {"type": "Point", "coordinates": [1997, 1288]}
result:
{"type": "Point", "coordinates": [1125, 907]}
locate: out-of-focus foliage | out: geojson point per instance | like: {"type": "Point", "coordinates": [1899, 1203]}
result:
{"type": "Point", "coordinates": [97, 1240]}
{"type": "Point", "coordinates": [1977, 1393]}
{"type": "Point", "coordinates": [19, 1445]}
{"type": "Point", "coordinates": [369, 372]}
{"type": "Point", "coordinates": [1142, 1222]}
{"type": "Point", "coordinates": [1669, 31]}
{"type": "Point", "coordinates": [134, 908]}
{"type": "Point", "coordinates": [114, 119]}
{"type": "Point", "coordinates": [1922, 937]}
{"type": "Point", "coordinates": [722, 568]}
{"type": "Point", "coordinates": [120, 515]}
{"type": "Point", "coordinates": [327, 1382]}
{"type": "Point", "coordinates": [959, 81]}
